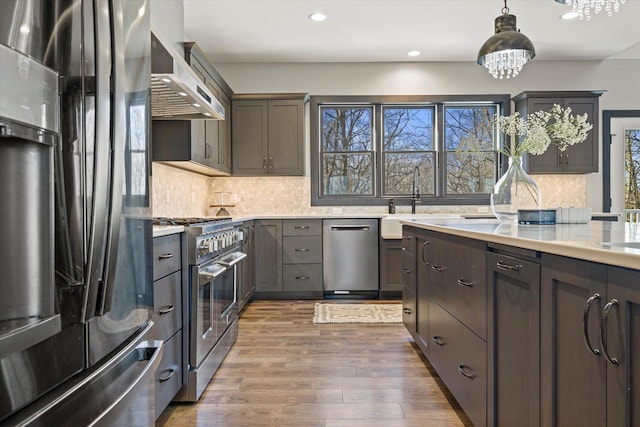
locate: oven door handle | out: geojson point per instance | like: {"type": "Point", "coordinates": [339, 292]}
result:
{"type": "Point", "coordinates": [218, 268]}
{"type": "Point", "coordinates": [232, 259]}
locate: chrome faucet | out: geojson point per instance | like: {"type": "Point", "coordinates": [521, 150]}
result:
{"type": "Point", "coordinates": [415, 194]}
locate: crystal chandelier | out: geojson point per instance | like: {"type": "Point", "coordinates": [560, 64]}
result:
{"type": "Point", "coordinates": [583, 7]}
{"type": "Point", "coordinates": [505, 53]}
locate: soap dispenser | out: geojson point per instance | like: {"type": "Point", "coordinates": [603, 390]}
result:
{"type": "Point", "coordinates": [392, 207]}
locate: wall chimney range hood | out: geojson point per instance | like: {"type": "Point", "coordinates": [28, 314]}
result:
{"type": "Point", "coordinates": [176, 90]}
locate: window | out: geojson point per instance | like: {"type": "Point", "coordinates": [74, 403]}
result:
{"type": "Point", "coordinates": [367, 150]}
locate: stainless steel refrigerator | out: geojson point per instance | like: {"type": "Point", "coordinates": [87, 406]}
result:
{"type": "Point", "coordinates": [75, 233]}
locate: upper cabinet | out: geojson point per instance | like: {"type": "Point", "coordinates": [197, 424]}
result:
{"type": "Point", "coordinates": [268, 134]}
{"type": "Point", "coordinates": [202, 146]}
{"type": "Point", "coordinates": [579, 158]}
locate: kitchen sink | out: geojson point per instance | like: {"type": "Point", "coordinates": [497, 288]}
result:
{"type": "Point", "coordinates": [390, 227]}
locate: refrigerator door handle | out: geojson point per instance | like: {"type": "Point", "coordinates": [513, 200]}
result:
{"type": "Point", "coordinates": [99, 215]}
{"type": "Point", "coordinates": [117, 135]}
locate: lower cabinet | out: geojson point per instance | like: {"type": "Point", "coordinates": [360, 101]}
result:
{"type": "Point", "coordinates": [590, 344]}
{"type": "Point", "coordinates": [513, 339]}
{"type": "Point", "coordinates": [391, 278]}
{"type": "Point", "coordinates": [460, 358]}
{"type": "Point", "coordinates": [169, 317]}
{"type": "Point", "coordinates": [288, 259]}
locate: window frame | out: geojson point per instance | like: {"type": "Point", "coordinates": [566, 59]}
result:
{"type": "Point", "coordinates": [377, 199]}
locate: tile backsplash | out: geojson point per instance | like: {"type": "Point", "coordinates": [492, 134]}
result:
{"type": "Point", "coordinates": [182, 193]}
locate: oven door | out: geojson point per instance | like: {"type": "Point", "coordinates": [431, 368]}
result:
{"type": "Point", "coordinates": [204, 312]}
{"type": "Point", "coordinates": [226, 290]}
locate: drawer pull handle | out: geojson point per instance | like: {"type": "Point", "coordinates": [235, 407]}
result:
{"type": "Point", "coordinates": [508, 267]}
{"type": "Point", "coordinates": [406, 310]}
{"type": "Point", "coordinates": [406, 270]}
{"type": "Point", "coordinates": [302, 250]}
{"type": "Point", "coordinates": [603, 332]}
{"type": "Point", "coordinates": [170, 375]}
{"type": "Point", "coordinates": [463, 371]}
{"type": "Point", "coordinates": [438, 340]}
{"type": "Point", "coordinates": [465, 284]}
{"type": "Point", "coordinates": [424, 246]}
{"type": "Point", "coordinates": [166, 256]}
{"type": "Point", "coordinates": [301, 227]}
{"type": "Point", "coordinates": [437, 268]}
{"type": "Point", "coordinates": [585, 323]}
{"type": "Point", "coordinates": [264, 162]}
{"type": "Point", "coordinates": [166, 309]}
{"type": "Point", "coordinates": [302, 277]}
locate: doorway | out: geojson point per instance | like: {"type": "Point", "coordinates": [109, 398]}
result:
{"type": "Point", "coordinates": [619, 128]}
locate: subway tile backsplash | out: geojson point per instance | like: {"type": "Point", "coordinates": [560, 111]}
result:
{"type": "Point", "coordinates": [182, 193]}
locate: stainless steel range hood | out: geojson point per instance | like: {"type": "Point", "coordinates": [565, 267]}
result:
{"type": "Point", "coordinates": [176, 90]}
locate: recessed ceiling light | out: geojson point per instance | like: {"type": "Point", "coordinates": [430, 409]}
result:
{"type": "Point", "coordinates": [317, 16]}
{"type": "Point", "coordinates": [196, 105]}
{"type": "Point", "coordinates": [414, 53]}
{"type": "Point", "coordinates": [569, 15]}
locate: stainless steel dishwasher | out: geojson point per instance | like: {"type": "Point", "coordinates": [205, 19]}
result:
{"type": "Point", "coordinates": [350, 257]}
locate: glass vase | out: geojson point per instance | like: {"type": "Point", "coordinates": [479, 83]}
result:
{"type": "Point", "coordinates": [514, 190]}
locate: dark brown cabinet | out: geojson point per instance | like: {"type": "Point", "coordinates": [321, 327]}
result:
{"type": "Point", "coordinates": [408, 270]}
{"type": "Point", "coordinates": [288, 258]}
{"type": "Point", "coordinates": [513, 338]}
{"type": "Point", "coordinates": [579, 158]}
{"type": "Point", "coordinates": [169, 316]}
{"type": "Point", "coordinates": [391, 284]}
{"type": "Point", "coordinates": [267, 135]}
{"type": "Point", "coordinates": [573, 383]}
{"type": "Point", "coordinates": [268, 246]}
{"type": "Point", "coordinates": [591, 349]}
{"type": "Point", "coordinates": [246, 277]}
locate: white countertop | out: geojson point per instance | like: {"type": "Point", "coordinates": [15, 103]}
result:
{"type": "Point", "coordinates": [165, 230]}
{"type": "Point", "coordinates": [613, 243]}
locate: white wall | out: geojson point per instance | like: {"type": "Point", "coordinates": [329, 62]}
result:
{"type": "Point", "coordinates": [167, 17]}
{"type": "Point", "coordinates": [620, 78]}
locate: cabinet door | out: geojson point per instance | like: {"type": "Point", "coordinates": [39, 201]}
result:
{"type": "Point", "coordinates": [583, 157]}
{"type": "Point", "coordinates": [422, 293]}
{"type": "Point", "coordinates": [268, 256]}
{"type": "Point", "coordinates": [409, 282]}
{"type": "Point", "coordinates": [286, 147]}
{"type": "Point", "coordinates": [514, 340]}
{"type": "Point", "coordinates": [249, 136]}
{"type": "Point", "coordinates": [390, 265]}
{"type": "Point", "coordinates": [573, 378]}
{"type": "Point", "coordinates": [550, 160]}
{"type": "Point", "coordinates": [623, 345]}
{"type": "Point", "coordinates": [224, 136]}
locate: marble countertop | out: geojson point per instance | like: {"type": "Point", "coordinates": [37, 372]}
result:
{"type": "Point", "coordinates": [165, 230]}
{"type": "Point", "coordinates": [613, 243]}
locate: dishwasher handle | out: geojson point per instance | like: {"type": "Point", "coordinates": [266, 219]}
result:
{"type": "Point", "coordinates": [350, 228]}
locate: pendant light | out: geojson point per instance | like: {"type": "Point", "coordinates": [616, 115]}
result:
{"type": "Point", "coordinates": [505, 53]}
{"type": "Point", "coordinates": [583, 7]}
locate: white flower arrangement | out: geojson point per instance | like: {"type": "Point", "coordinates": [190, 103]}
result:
{"type": "Point", "coordinates": [540, 129]}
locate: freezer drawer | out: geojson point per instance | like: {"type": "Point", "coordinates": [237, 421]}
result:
{"type": "Point", "coordinates": [350, 256]}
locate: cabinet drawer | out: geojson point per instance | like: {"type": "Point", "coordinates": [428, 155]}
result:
{"type": "Point", "coordinates": [460, 358]}
{"type": "Point", "coordinates": [166, 255]}
{"type": "Point", "coordinates": [302, 227]}
{"type": "Point", "coordinates": [302, 250]}
{"type": "Point", "coordinates": [302, 277]}
{"type": "Point", "coordinates": [167, 303]}
{"type": "Point", "coordinates": [459, 280]}
{"type": "Point", "coordinates": [169, 373]}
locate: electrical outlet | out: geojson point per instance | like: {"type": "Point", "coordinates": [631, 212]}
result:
{"type": "Point", "coordinates": [336, 210]}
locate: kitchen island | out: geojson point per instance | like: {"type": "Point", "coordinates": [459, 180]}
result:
{"type": "Point", "coordinates": [528, 324]}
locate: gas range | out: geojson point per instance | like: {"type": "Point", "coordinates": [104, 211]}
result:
{"type": "Point", "coordinates": [207, 238]}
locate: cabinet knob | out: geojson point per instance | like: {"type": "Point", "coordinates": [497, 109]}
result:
{"type": "Point", "coordinates": [438, 340]}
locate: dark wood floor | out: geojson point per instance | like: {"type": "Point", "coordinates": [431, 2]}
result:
{"type": "Point", "coordinates": [286, 371]}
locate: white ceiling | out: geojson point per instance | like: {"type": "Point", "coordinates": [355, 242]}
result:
{"type": "Point", "coordinates": [385, 30]}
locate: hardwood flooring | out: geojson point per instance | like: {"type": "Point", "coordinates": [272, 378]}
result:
{"type": "Point", "coordinates": [285, 371]}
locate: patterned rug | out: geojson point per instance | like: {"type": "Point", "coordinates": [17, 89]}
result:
{"type": "Point", "coordinates": [357, 313]}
